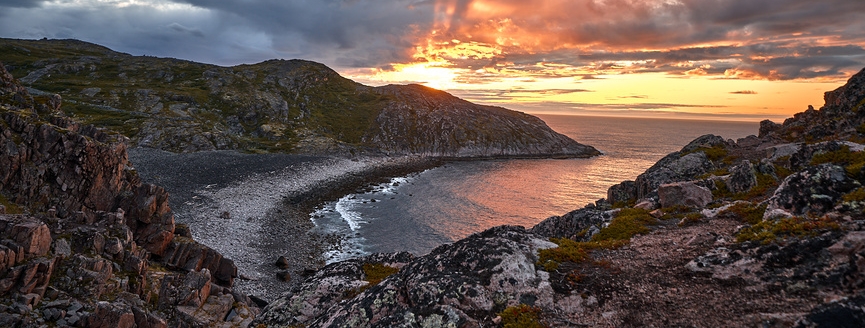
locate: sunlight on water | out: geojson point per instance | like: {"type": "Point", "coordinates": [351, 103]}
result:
{"type": "Point", "coordinates": [444, 204]}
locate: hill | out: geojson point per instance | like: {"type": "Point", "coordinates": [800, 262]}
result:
{"type": "Point", "coordinates": [291, 106]}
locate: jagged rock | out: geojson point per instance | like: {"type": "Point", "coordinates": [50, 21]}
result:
{"type": "Point", "coordinates": [30, 233]}
{"type": "Point", "coordinates": [685, 165]}
{"type": "Point", "coordinates": [844, 313]}
{"type": "Point", "coordinates": [623, 192]}
{"type": "Point", "coordinates": [111, 315]}
{"type": "Point", "coordinates": [586, 220]}
{"type": "Point", "coordinates": [191, 256]}
{"type": "Point", "coordinates": [684, 194]}
{"type": "Point", "coordinates": [812, 191]}
{"type": "Point", "coordinates": [464, 283]}
{"type": "Point", "coordinates": [328, 286]}
{"type": "Point", "coordinates": [767, 127]}
{"type": "Point", "coordinates": [742, 177]}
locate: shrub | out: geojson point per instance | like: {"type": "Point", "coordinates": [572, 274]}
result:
{"type": "Point", "coordinates": [745, 212]}
{"type": "Point", "coordinates": [767, 231]}
{"type": "Point", "coordinates": [521, 316]}
{"type": "Point", "coordinates": [376, 272]}
{"type": "Point", "coordinates": [627, 223]}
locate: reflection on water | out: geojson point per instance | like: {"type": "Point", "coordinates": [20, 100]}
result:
{"type": "Point", "coordinates": [444, 204]}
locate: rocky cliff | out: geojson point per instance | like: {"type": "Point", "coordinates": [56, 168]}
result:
{"type": "Point", "coordinates": [765, 231]}
{"type": "Point", "coordinates": [83, 242]}
{"type": "Point", "coordinates": [274, 106]}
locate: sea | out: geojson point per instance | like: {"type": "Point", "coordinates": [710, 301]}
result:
{"type": "Point", "coordinates": [421, 211]}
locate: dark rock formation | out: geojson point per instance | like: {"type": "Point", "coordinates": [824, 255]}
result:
{"type": "Point", "coordinates": [425, 121]}
{"type": "Point", "coordinates": [815, 190]}
{"type": "Point", "coordinates": [83, 241]}
{"type": "Point", "coordinates": [462, 284]}
{"type": "Point", "coordinates": [577, 225]}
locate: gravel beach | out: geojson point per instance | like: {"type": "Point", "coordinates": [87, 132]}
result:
{"type": "Point", "coordinates": [254, 208]}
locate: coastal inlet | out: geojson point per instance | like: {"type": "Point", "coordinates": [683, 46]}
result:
{"type": "Point", "coordinates": [421, 211]}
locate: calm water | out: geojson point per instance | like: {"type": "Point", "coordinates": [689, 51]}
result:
{"type": "Point", "coordinates": [441, 205]}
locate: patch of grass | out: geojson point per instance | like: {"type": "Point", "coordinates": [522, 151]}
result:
{"type": "Point", "coordinates": [768, 231]}
{"type": "Point", "coordinates": [690, 219]}
{"type": "Point", "coordinates": [857, 195]}
{"type": "Point", "coordinates": [11, 208]}
{"type": "Point", "coordinates": [745, 212]}
{"type": "Point", "coordinates": [568, 251]}
{"type": "Point", "coordinates": [853, 161]}
{"type": "Point", "coordinates": [376, 272]}
{"type": "Point", "coordinates": [521, 316]}
{"type": "Point", "coordinates": [714, 154]}
{"type": "Point", "coordinates": [765, 184]}
{"type": "Point", "coordinates": [627, 223]}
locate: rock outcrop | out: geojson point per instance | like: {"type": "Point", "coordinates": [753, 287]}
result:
{"type": "Point", "coordinates": [274, 106]}
{"type": "Point", "coordinates": [763, 231]}
{"type": "Point", "coordinates": [83, 242]}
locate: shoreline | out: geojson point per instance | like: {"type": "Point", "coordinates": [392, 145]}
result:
{"type": "Point", "coordinates": [254, 208]}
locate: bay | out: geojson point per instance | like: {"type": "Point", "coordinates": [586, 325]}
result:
{"type": "Point", "coordinates": [444, 204]}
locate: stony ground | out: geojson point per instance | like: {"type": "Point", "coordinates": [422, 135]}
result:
{"type": "Point", "coordinates": [650, 285]}
{"type": "Point", "coordinates": [239, 204]}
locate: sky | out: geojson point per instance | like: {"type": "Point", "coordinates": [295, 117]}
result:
{"type": "Point", "coordinates": [708, 59]}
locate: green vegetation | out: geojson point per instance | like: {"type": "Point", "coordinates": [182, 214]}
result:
{"type": "Point", "coordinates": [857, 195]}
{"type": "Point", "coordinates": [745, 212]}
{"type": "Point", "coordinates": [293, 95]}
{"type": "Point", "coordinates": [376, 272]}
{"type": "Point", "coordinates": [766, 183]}
{"type": "Point", "coordinates": [714, 153]}
{"type": "Point", "coordinates": [521, 316]}
{"type": "Point", "coordinates": [627, 223]}
{"type": "Point", "coordinates": [568, 251]}
{"type": "Point", "coordinates": [768, 231]}
{"type": "Point", "coordinates": [11, 208]}
{"type": "Point", "coordinates": [853, 161]}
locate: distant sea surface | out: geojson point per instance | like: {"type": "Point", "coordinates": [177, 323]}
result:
{"type": "Point", "coordinates": [441, 205]}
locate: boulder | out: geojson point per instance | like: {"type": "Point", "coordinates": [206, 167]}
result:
{"type": "Point", "coordinates": [685, 165]}
{"type": "Point", "coordinates": [684, 194]}
{"type": "Point", "coordinates": [742, 177]}
{"type": "Point", "coordinates": [571, 224]}
{"type": "Point", "coordinates": [461, 284]}
{"type": "Point", "coordinates": [624, 192]}
{"type": "Point", "coordinates": [814, 190]}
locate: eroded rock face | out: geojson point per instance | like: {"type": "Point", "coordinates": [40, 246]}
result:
{"type": "Point", "coordinates": [465, 283]}
{"type": "Point", "coordinates": [83, 258]}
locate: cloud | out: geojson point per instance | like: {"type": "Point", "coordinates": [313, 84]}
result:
{"type": "Point", "coordinates": [180, 28]}
{"type": "Point", "coordinates": [743, 39]}
{"type": "Point", "coordinates": [744, 92]}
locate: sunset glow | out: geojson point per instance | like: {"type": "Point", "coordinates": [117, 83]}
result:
{"type": "Point", "coordinates": [635, 58]}
{"type": "Point", "coordinates": [719, 59]}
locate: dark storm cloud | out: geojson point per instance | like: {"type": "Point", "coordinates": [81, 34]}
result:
{"type": "Point", "coordinates": [766, 39]}
{"type": "Point", "coordinates": [361, 33]}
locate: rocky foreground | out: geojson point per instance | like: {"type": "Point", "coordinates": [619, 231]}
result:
{"type": "Point", "coordinates": [767, 230]}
